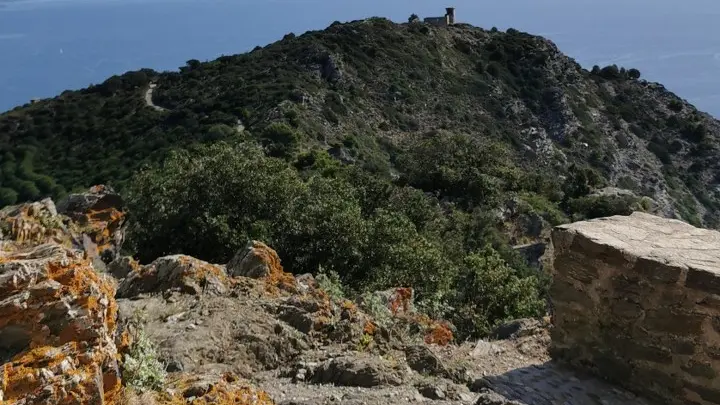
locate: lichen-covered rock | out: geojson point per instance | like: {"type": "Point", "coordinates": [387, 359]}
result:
{"type": "Point", "coordinates": [255, 260]}
{"type": "Point", "coordinates": [57, 329]}
{"type": "Point", "coordinates": [175, 273]}
{"type": "Point", "coordinates": [122, 267]}
{"type": "Point", "coordinates": [99, 214]}
{"type": "Point", "coordinates": [258, 260]}
{"type": "Point", "coordinates": [33, 223]}
{"type": "Point", "coordinates": [204, 389]}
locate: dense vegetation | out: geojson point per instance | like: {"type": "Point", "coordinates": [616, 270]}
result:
{"type": "Point", "coordinates": [337, 220]}
{"type": "Point", "coordinates": [388, 154]}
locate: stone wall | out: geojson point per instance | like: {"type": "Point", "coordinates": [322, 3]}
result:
{"type": "Point", "coordinates": [442, 21]}
{"type": "Point", "coordinates": [637, 301]}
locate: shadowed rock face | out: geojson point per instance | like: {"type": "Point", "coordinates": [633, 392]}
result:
{"type": "Point", "coordinates": [635, 300]}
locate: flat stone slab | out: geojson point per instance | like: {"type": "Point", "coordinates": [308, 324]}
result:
{"type": "Point", "coordinates": [668, 241]}
{"type": "Point", "coordinates": [553, 384]}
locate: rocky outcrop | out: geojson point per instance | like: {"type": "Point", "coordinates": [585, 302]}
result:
{"type": "Point", "coordinates": [636, 301]}
{"type": "Point", "coordinates": [69, 330]}
{"type": "Point", "coordinates": [99, 217]}
{"type": "Point", "coordinates": [207, 389]}
{"type": "Point", "coordinates": [60, 337]}
{"type": "Point", "coordinates": [57, 329]}
{"type": "Point", "coordinates": [421, 359]}
{"type": "Point", "coordinates": [256, 260]}
{"type": "Point", "coordinates": [174, 273]}
{"type": "Point", "coordinates": [33, 223]}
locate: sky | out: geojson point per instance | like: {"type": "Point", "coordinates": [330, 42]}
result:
{"type": "Point", "coordinates": [47, 46]}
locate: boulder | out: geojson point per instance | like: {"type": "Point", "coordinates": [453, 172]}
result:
{"type": "Point", "coordinates": [259, 261]}
{"type": "Point", "coordinates": [99, 214]}
{"type": "Point", "coordinates": [519, 328]}
{"type": "Point", "coordinates": [493, 398]}
{"type": "Point", "coordinates": [57, 329]}
{"type": "Point", "coordinates": [421, 359]}
{"type": "Point", "coordinates": [255, 260]}
{"type": "Point", "coordinates": [175, 273]}
{"type": "Point", "coordinates": [349, 371]}
{"type": "Point", "coordinates": [33, 223]}
{"type": "Point", "coordinates": [123, 266]}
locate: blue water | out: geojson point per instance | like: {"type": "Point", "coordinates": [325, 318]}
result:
{"type": "Point", "coordinates": [52, 45]}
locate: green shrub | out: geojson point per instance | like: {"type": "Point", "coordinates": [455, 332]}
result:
{"type": "Point", "coordinates": [8, 196]}
{"type": "Point", "coordinates": [489, 292]}
{"type": "Point", "coordinates": [330, 282]}
{"type": "Point", "coordinates": [141, 368]}
{"type": "Point", "coordinates": [675, 105]}
{"type": "Point", "coordinates": [590, 207]}
{"type": "Point", "coordinates": [280, 139]}
{"type": "Point", "coordinates": [365, 233]}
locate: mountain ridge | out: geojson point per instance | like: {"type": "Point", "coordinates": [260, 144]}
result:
{"type": "Point", "coordinates": [365, 92]}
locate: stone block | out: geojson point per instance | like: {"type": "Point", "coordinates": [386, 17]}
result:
{"type": "Point", "coordinates": [676, 322]}
{"type": "Point", "coordinates": [576, 268]}
{"type": "Point", "coordinates": [564, 291]}
{"type": "Point", "coordinates": [703, 280]}
{"type": "Point", "coordinates": [711, 395]}
{"type": "Point", "coordinates": [658, 272]}
{"type": "Point", "coordinates": [637, 301]}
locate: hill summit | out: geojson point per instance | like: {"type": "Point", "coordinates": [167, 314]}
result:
{"type": "Point", "coordinates": [369, 92]}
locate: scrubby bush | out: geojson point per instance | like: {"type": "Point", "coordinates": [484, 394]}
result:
{"type": "Point", "coordinates": [488, 292]}
{"type": "Point", "coordinates": [330, 283]}
{"type": "Point", "coordinates": [590, 207]}
{"type": "Point", "coordinates": [141, 368]}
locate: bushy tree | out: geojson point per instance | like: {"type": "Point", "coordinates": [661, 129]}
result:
{"type": "Point", "coordinates": [456, 165]}
{"type": "Point", "coordinates": [488, 292]}
{"type": "Point", "coordinates": [208, 204]}
{"type": "Point", "coordinates": [323, 226]}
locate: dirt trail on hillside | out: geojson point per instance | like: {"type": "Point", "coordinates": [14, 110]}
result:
{"type": "Point", "coordinates": [148, 98]}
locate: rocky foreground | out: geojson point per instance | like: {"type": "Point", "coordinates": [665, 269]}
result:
{"type": "Point", "coordinates": [77, 318]}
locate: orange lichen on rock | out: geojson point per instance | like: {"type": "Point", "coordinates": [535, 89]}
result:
{"type": "Point", "coordinates": [400, 305]}
{"type": "Point", "coordinates": [369, 328]}
{"type": "Point", "coordinates": [401, 299]}
{"type": "Point", "coordinates": [33, 223]}
{"type": "Point", "coordinates": [100, 215]}
{"type": "Point", "coordinates": [57, 322]}
{"type": "Point", "coordinates": [204, 390]}
{"type": "Point", "coordinates": [179, 272]}
{"type": "Point", "coordinates": [259, 261]}
{"type": "Point", "coordinates": [438, 334]}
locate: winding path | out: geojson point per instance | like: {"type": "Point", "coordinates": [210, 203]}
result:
{"type": "Point", "coordinates": [148, 98]}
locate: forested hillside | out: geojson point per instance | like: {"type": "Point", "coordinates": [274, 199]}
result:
{"type": "Point", "coordinates": [386, 154]}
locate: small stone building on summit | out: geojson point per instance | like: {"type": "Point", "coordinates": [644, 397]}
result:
{"type": "Point", "coordinates": [447, 19]}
